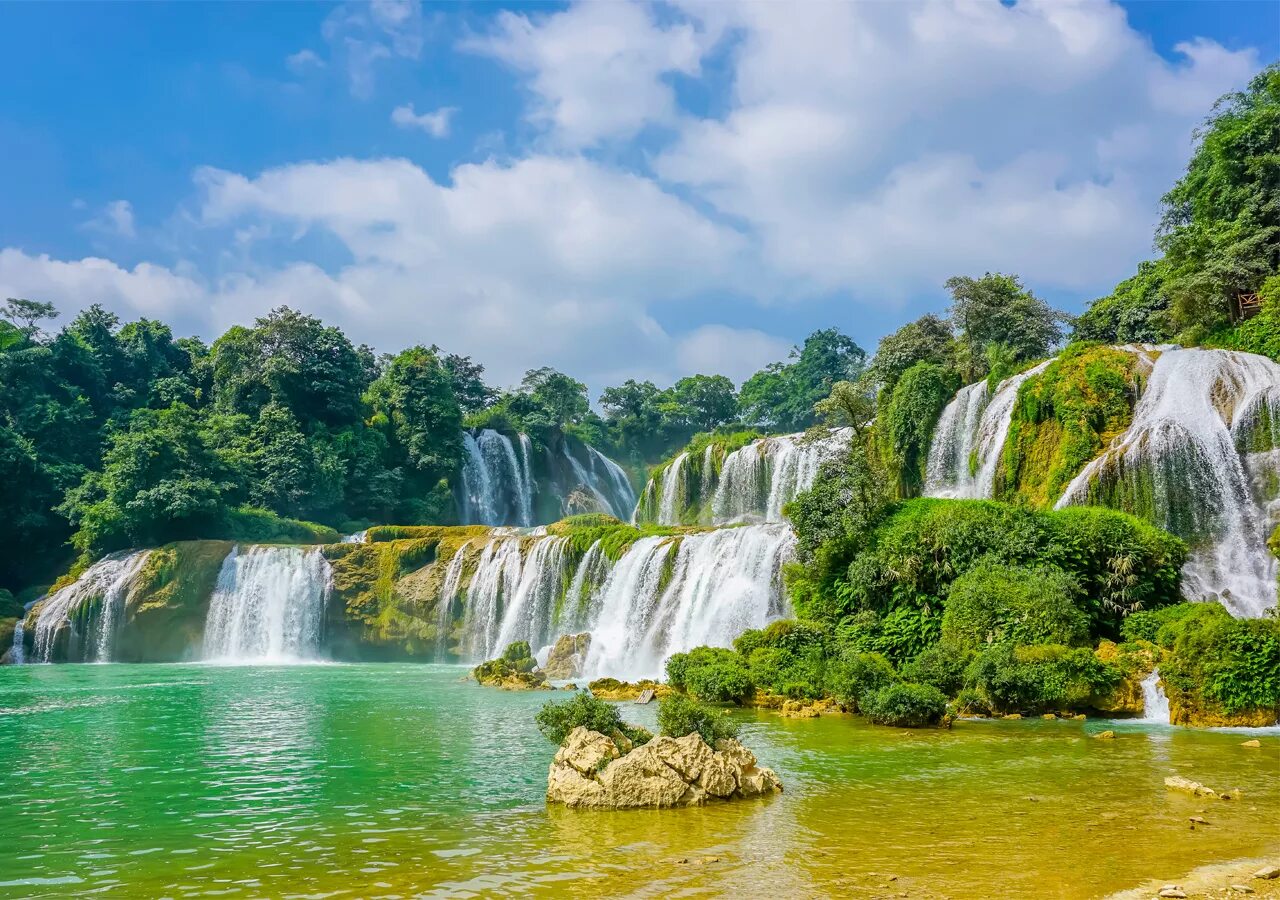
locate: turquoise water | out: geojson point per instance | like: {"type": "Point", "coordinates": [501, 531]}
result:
{"type": "Point", "coordinates": [401, 781]}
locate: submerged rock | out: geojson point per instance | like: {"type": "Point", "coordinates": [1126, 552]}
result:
{"type": "Point", "coordinates": [567, 655]}
{"type": "Point", "coordinates": [589, 773]}
{"type": "Point", "coordinates": [1187, 786]}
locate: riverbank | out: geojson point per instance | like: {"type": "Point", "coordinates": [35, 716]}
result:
{"type": "Point", "coordinates": [1217, 880]}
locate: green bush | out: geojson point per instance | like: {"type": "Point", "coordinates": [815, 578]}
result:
{"type": "Point", "coordinates": [993, 603]}
{"type": "Point", "coordinates": [855, 675]}
{"type": "Point", "coordinates": [942, 666]}
{"type": "Point", "coordinates": [905, 421]}
{"type": "Point", "coordinates": [788, 657]}
{"type": "Point", "coordinates": [905, 705]}
{"type": "Point", "coordinates": [520, 656]}
{"type": "Point", "coordinates": [1229, 661]}
{"type": "Point", "coordinates": [1039, 678]}
{"type": "Point", "coordinates": [557, 718]}
{"type": "Point", "coordinates": [711, 674]}
{"type": "Point", "coordinates": [679, 715]}
{"type": "Point", "coordinates": [1146, 625]}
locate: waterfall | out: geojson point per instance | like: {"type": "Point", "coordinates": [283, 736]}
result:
{"type": "Point", "coordinates": [1205, 418]}
{"type": "Point", "coordinates": [758, 480]}
{"type": "Point", "coordinates": [97, 598]}
{"type": "Point", "coordinates": [268, 605]}
{"type": "Point", "coordinates": [1155, 705]}
{"type": "Point", "coordinates": [528, 610]}
{"type": "Point", "coordinates": [496, 576]}
{"type": "Point", "coordinates": [672, 489]}
{"type": "Point", "coordinates": [969, 437]}
{"type": "Point", "coordinates": [18, 652]}
{"type": "Point", "coordinates": [669, 595]}
{"type": "Point", "coordinates": [604, 480]}
{"type": "Point", "coordinates": [360, 537]}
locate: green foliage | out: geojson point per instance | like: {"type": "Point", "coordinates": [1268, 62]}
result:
{"type": "Point", "coordinates": [853, 676]}
{"type": "Point", "coordinates": [905, 705]}
{"type": "Point", "coordinates": [1063, 418]}
{"type": "Point", "coordinates": [1038, 678]}
{"type": "Point", "coordinates": [520, 656]}
{"type": "Point", "coordinates": [1137, 311]}
{"type": "Point", "coordinates": [782, 396]}
{"type": "Point", "coordinates": [557, 718]}
{"type": "Point", "coordinates": [1259, 334]}
{"type": "Point", "coordinates": [997, 309]}
{"type": "Point", "coordinates": [942, 665]}
{"type": "Point", "coordinates": [904, 426]}
{"type": "Point", "coordinates": [1148, 624]}
{"type": "Point", "coordinates": [261, 526]}
{"type": "Point", "coordinates": [414, 402]}
{"type": "Point", "coordinates": [787, 657]}
{"type": "Point", "coordinates": [928, 339]}
{"type": "Point", "coordinates": [1233, 663]}
{"type": "Point", "coordinates": [711, 674]}
{"type": "Point", "coordinates": [992, 603]}
{"type": "Point", "coordinates": [679, 715]}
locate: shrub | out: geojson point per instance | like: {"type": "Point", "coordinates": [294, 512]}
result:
{"type": "Point", "coordinates": [712, 674]}
{"type": "Point", "coordinates": [993, 603]}
{"type": "Point", "coordinates": [942, 666]}
{"type": "Point", "coordinates": [679, 715]}
{"type": "Point", "coordinates": [905, 421]}
{"type": "Point", "coordinates": [557, 718]}
{"type": "Point", "coordinates": [905, 705]}
{"type": "Point", "coordinates": [520, 656]}
{"type": "Point", "coordinates": [1229, 661]}
{"type": "Point", "coordinates": [788, 657]}
{"type": "Point", "coordinates": [853, 676]}
{"type": "Point", "coordinates": [1146, 625]}
{"type": "Point", "coordinates": [1039, 678]}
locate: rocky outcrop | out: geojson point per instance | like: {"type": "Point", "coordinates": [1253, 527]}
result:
{"type": "Point", "coordinates": [613, 689]}
{"type": "Point", "coordinates": [515, 670]}
{"type": "Point", "coordinates": [590, 771]}
{"type": "Point", "coordinates": [567, 656]}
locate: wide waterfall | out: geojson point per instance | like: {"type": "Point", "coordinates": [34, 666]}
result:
{"type": "Point", "coordinates": [969, 437]}
{"type": "Point", "coordinates": [91, 608]}
{"type": "Point", "coordinates": [1200, 460]}
{"type": "Point", "coordinates": [499, 486]}
{"type": "Point", "coordinates": [268, 605]}
{"type": "Point", "coordinates": [753, 483]}
{"type": "Point", "coordinates": [663, 595]}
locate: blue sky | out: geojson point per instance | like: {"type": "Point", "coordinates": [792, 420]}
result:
{"type": "Point", "coordinates": [619, 190]}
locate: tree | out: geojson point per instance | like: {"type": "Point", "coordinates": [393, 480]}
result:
{"type": "Point", "coordinates": [705, 401]}
{"type": "Point", "coordinates": [927, 339]}
{"type": "Point", "coordinates": [26, 313]}
{"type": "Point", "coordinates": [415, 398]}
{"type": "Point", "coordinates": [851, 404]}
{"type": "Point", "coordinates": [559, 398]}
{"type": "Point", "coordinates": [1220, 229]}
{"type": "Point", "coordinates": [1137, 311]}
{"type": "Point", "coordinates": [782, 395]}
{"type": "Point", "coordinates": [998, 309]}
{"type": "Point", "coordinates": [906, 421]}
{"type": "Point", "coordinates": [468, 386]}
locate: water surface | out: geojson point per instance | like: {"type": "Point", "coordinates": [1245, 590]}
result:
{"type": "Point", "coordinates": [401, 781]}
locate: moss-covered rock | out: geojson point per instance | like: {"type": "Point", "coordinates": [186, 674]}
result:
{"type": "Point", "coordinates": [1135, 661]}
{"type": "Point", "coordinates": [166, 608]}
{"type": "Point", "coordinates": [1064, 417]}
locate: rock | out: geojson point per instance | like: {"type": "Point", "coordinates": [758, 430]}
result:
{"type": "Point", "coordinates": [1012, 716]}
{"type": "Point", "coordinates": [1105, 735]}
{"type": "Point", "coordinates": [1253, 744]}
{"type": "Point", "coordinates": [1187, 786]}
{"type": "Point", "coordinates": [1079, 717]}
{"type": "Point", "coordinates": [1172, 891]}
{"type": "Point", "coordinates": [590, 772]}
{"type": "Point", "coordinates": [1267, 873]}
{"type": "Point", "coordinates": [1242, 889]}
{"type": "Point", "coordinates": [1233, 794]}
{"type": "Point", "coordinates": [567, 656]}
{"type": "Point", "coordinates": [796, 709]}
{"type": "Point", "coordinates": [1199, 820]}
{"type": "Point", "coordinates": [1049, 716]}
{"type": "Point", "coordinates": [613, 689]}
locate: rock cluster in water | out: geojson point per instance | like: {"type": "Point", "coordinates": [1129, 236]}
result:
{"type": "Point", "coordinates": [567, 656]}
{"type": "Point", "coordinates": [591, 771]}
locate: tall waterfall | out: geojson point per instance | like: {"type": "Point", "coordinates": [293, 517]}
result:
{"type": "Point", "coordinates": [662, 596]}
{"type": "Point", "coordinates": [91, 608]}
{"type": "Point", "coordinates": [1200, 460]}
{"type": "Point", "coordinates": [499, 487]}
{"type": "Point", "coordinates": [969, 437]}
{"type": "Point", "coordinates": [672, 487]}
{"type": "Point", "coordinates": [268, 605]}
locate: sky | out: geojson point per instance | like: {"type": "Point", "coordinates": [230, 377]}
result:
{"type": "Point", "coordinates": [619, 190]}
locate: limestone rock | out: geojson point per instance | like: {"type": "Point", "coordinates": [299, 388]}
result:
{"type": "Point", "coordinates": [567, 656]}
{"type": "Point", "coordinates": [1105, 735]}
{"type": "Point", "coordinates": [1187, 786]}
{"type": "Point", "coordinates": [613, 689]}
{"type": "Point", "coordinates": [590, 772]}
{"type": "Point", "coordinates": [1266, 873]}
{"type": "Point", "coordinates": [1253, 744]}
{"type": "Point", "coordinates": [1172, 891]}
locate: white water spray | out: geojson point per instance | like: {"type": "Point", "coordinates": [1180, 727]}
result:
{"type": "Point", "coordinates": [268, 606]}
{"type": "Point", "coordinates": [1155, 705]}
{"type": "Point", "coordinates": [98, 598]}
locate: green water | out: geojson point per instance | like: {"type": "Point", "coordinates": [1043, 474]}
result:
{"type": "Point", "coordinates": [400, 781]}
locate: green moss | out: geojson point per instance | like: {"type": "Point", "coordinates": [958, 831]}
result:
{"type": "Point", "coordinates": [261, 526]}
{"type": "Point", "coordinates": [167, 608]}
{"type": "Point", "coordinates": [1063, 418]}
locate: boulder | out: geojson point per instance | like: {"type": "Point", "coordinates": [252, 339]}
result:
{"type": "Point", "coordinates": [567, 655]}
{"type": "Point", "coordinates": [590, 772]}
{"type": "Point", "coordinates": [1187, 786]}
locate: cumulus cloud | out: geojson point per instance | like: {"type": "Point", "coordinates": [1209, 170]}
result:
{"type": "Point", "coordinates": [115, 219]}
{"type": "Point", "coordinates": [435, 123]}
{"type": "Point", "coordinates": [362, 35]}
{"type": "Point", "coordinates": [304, 61]}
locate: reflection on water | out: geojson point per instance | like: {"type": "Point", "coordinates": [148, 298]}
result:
{"type": "Point", "coordinates": [394, 781]}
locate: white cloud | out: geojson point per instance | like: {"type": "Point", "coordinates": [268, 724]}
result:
{"type": "Point", "coordinates": [360, 36]}
{"type": "Point", "coordinates": [303, 61]}
{"type": "Point", "coordinates": [115, 219]}
{"type": "Point", "coordinates": [721, 350]}
{"type": "Point", "coordinates": [597, 70]}
{"type": "Point", "coordinates": [435, 123]}
{"type": "Point", "coordinates": [145, 290]}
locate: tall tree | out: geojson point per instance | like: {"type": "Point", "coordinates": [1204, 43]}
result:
{"type": "Point", "coordinates": [997, 309]}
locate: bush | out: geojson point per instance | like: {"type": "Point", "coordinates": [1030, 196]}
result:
{"type": "Point", "coordinates": [1037, 678]}
{"type": "Point", "coordinates": [905, 705]}
{"type": "Point", "coordinates": [557, 718]}
{"type": "Point", "coordinates": [519, 656]}
{"type": "Point", "coordinates": [992, 603]}
{"type": "Point", "coordinates": [941, 666]}
{"type": "Point", "coordinates": [788, 657]}
{"type": "Point", "coordinates": [711, 674]}
{"type": "Point", "coordinates": [1146, 625]}
{"type": "Point", "coordinates": [1228, 661]}
{"type": "Point", "coordinates": [855, 675]}
{"type": "Point", "coordinates": [679, 715]}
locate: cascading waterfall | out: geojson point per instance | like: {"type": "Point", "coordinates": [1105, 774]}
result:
{"type": "Point", "coordinates": [97, 599]}
{"type": "Point", "coordinates": [497, 485]}
{"type": "Point", "coordinates": [1155, 705]}
{"type": "Point", "coordinates": [758, 480]}
{"type": "Point", "coordinates": [969, 437]}
{"type": "Point", "coordinates": [673, 485]}
{"type": "Point", "coordinates": [268, 605]}
{"type": "Point", "coordinates": [1205, 419]}
{"type": "Point", "coordinates": [662, 596]}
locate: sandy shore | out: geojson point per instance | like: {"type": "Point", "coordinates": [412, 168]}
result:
{"type": "Point", "coordinates": [1214, 881]}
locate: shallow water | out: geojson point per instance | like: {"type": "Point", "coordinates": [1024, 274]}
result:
{"type": "Point", "coordinates": [399, 781]}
